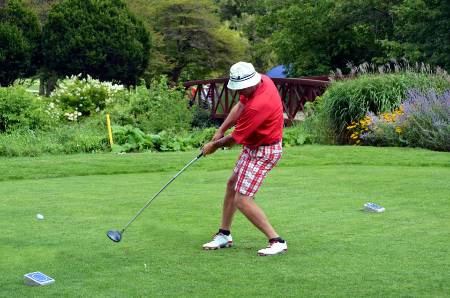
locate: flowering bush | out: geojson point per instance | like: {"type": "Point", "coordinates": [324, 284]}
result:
{"type": "Point", "coordinates": [358, 128]}
{"type": "Point", "coordinates": [349, 100]}
{"type": "Point", "coordinates": [426, 120]}
{"type": "Point", "coordinates": [423, 120]}
{"type": "Point", "coordinates": [83, 96]}
{"type": "Point", "coordinates": [383, 130]}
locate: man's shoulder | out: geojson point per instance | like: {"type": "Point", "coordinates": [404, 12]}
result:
{"type": "Point", "coordinates": [269, 90]}
{"type": "Point", "coordinates": [267, 80]}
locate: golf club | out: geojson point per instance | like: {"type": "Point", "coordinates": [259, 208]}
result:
{"type": "Point", "coordinates": [116, 236]}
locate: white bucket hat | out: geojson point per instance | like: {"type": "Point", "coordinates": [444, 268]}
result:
{"type": "Point", "coordinates": [243, 75]}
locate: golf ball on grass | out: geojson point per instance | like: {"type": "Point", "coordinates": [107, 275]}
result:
{"type": "Point", "coordinates": [39, 216]}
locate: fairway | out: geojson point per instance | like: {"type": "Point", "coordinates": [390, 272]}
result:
{"type": "Point", "coordinates": [313, 198]}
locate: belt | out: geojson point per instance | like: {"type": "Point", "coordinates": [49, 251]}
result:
{"type": "Point", "coordinates": [270, 143]}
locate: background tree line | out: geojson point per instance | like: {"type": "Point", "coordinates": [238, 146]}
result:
{"type": "Point", "coordinates": [125, 41]}
{"type": "Point", "coordinates": [314, 37]}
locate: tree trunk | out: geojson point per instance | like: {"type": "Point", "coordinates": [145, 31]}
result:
{"type": "Point", "coordinates": [176, 72]}
{"type": "Point", "coordinates": [47, 83]}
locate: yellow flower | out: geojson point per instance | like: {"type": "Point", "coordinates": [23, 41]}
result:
{"type": "Point", "coordinates": [398, 129]}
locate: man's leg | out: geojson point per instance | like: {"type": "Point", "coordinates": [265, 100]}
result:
{"type": "Point", "coordinates": [255, 215]}
{"type": "Point", "coordinates": [223, 237]}
{"type": "Point", "coordinates": [248, 207]}
{"type": "Point", "coordinates": [229, 205]}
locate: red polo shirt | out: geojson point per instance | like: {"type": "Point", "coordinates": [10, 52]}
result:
{"type": "Point", "coordinates": [261, 121]}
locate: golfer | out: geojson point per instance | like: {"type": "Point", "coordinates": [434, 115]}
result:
{"type": "Point", "coordinates": [258, 120]}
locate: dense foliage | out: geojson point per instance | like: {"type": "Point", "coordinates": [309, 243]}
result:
{"type": "Point", "coordinates": [317, 36]}
{"type": "Point", "coordinates": [421, 32]}
{"type": "Point", "coordinates": [153, 109]}
{"type": "Point", "coordinates": [98, 38]}
{"type": "Point", "coordinates": [311, 37]}
{"type": "Point", "coordinates": [314, 37]}
{"type": "Point", "coordinates": [19, 42]}
{"type": "Point", "coordinates": [21, 110]}
{"type": "Point", "coordinates": [192, 43]}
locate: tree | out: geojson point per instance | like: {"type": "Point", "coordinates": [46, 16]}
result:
{"type": "Point", "coordinates": [314, 37]}
{"type": "Point", "coordinates": [193, 41]}
{"type": "Point", "coordinates": [97, 38]}
{"type": "Point", "coordinates": [421, 32]}
{"type": "Point", "coordinates": [19, 42]}
{"type": "Point", "coordinates": [242, 16]}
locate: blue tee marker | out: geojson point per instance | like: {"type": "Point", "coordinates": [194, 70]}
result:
{"type": "Point", "coordinates": [37, 279]}
{"type": "Point", "coordinates": [372, 207]}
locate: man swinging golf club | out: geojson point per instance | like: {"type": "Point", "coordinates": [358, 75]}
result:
{"type": "Point", "coordinates": [258, 120]}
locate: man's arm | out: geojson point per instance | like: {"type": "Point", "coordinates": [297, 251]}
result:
{"type": "Point", "coordinates": [229, 121]}
{"type": "Point", "coordinates": [212, 146]}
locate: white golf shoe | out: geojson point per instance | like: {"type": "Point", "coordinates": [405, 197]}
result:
{"type": "Point", "coordinates": [219, 241]}
{"type": "Point", "coordinates": [274, 248]}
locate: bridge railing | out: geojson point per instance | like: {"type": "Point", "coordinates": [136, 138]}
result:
{"type": "Point", "coordinates": [214, 95]}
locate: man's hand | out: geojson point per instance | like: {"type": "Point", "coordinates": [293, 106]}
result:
{"type": "Point", "coordinates": [209, 148]}
{"type": "Point", "coordinates": [212, 146]}
{"type": "Point", "coordinates": [218, 135]}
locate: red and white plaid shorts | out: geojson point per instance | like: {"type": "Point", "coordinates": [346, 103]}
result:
{"type": "Point", "coordinates": [253, 166]}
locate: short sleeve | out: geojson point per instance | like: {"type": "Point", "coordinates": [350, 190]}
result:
{"type": "Point", "coordinates": [243, 99]}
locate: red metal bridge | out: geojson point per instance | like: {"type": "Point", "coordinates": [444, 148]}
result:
{"type": "Point", "coordinates": [218, 99]}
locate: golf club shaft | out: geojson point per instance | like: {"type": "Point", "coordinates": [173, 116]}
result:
{"type": "Point", "coordinates": [164, 187]}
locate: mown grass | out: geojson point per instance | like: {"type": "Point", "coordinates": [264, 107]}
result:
{"type": "Point", "coordinates": [313, 198]}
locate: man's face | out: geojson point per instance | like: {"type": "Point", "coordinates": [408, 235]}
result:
{"type": "Point", "coordinates": [247, 92]}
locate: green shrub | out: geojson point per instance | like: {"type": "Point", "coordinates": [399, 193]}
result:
{"type": "Point", "coordinates": [296, 135]}
{"type": "Point", "coordinates": [316, 124]}
{"type": "Point", "coordinates": [153, 110]}
{"type": "Point", "coordinates": [131, 139]}
{"type": "Point", "coordinates": [22, 110]}
{"type": "Point", "coordinates": [349, 100]}
{"type": "Point", "coordinates": [201, 117]}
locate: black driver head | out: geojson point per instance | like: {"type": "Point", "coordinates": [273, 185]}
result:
{"type": "Point", "coordinates": [115, 236]}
